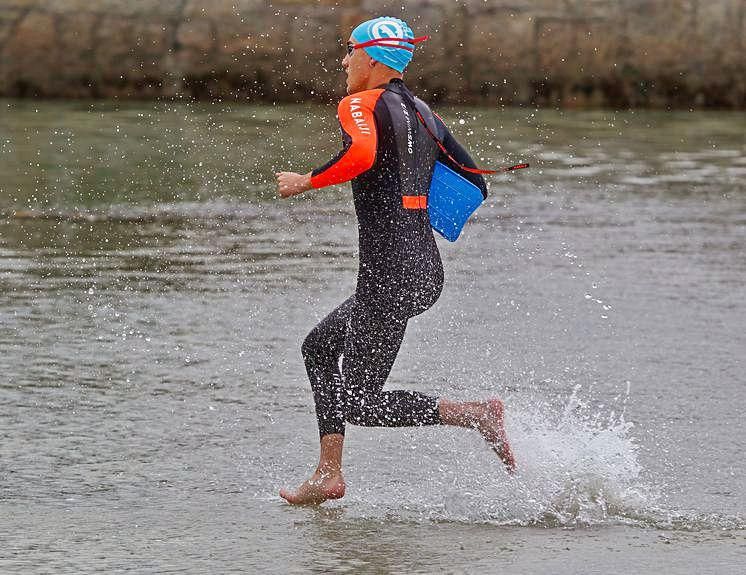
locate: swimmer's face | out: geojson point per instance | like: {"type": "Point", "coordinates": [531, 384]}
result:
{"type": "Point", "coordinates": [358, 67]}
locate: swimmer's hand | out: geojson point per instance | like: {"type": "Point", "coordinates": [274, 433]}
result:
{"type": "Point", "coordinates": [292, 184]}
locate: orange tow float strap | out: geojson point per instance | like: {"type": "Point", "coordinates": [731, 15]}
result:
{"type": "Point", "coordinates": [414, 202]}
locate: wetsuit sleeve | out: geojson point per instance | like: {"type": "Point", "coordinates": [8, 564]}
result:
{"type": "Point", "coordinates": [359, 139]}
{"type": "Point", "coordinates": [459, 154]}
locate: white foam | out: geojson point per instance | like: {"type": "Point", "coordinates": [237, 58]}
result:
{"type": "Point", "coordinates": [574, 469]}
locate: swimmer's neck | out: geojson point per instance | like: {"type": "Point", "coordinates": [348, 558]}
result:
{"type": "Point", "coordinates": [380, 76]}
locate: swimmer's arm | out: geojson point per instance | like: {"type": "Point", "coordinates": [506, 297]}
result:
{"type": "Point", "coordinates": [459, 154]}
{"type": "Point", "coordinates": [360, 139]}
{"type": "Point", "coordinates": [358, 154]}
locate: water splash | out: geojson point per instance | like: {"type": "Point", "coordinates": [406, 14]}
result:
{"type": "Point", "coordinates": [578, 467]}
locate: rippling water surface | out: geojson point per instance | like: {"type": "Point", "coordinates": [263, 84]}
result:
{"type": "Point", "coordinates": [154, 294]}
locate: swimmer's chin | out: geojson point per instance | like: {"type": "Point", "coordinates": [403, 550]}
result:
{"type": "Point", "coordinates": [350, 89]}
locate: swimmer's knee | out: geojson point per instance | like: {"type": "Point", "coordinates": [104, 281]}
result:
{"type": "Point", "coordinates": [309, 347]}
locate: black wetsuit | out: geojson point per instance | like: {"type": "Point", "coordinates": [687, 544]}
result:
{"type": "Point", "coordinates": [390, 157]}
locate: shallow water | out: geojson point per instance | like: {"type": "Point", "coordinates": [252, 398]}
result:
{"type": "Point", "coordinates": [154, 294]}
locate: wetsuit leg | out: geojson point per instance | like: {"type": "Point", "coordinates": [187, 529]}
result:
{"type": "Point", "coordinates": [321, 350]}
{"type": "Point", "coordinates": [373, 340]}
{"type": "Point", "coordinates": [368, 340]}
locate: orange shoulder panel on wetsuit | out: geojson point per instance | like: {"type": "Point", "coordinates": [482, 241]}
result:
{"type": "Point", "coordinates": [357, 120]}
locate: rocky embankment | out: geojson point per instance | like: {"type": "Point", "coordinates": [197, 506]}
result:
{"type": "Point", "coordinates": [619, 53]}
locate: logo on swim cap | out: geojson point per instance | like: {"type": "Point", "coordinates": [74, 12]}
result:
{"type": "Point", "coordinates": [387, 29]}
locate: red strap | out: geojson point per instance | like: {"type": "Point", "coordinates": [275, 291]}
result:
{"type": "Point", "coordinates": [391, 42]}
{"type": "Point", "coordinates": [459, 164]}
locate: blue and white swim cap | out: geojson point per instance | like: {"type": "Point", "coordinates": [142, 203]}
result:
{"type": "Point", "coordinates": [383, 40]}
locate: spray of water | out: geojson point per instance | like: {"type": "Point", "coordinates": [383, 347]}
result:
{"type": "Point", "coordinates": [578, 467]}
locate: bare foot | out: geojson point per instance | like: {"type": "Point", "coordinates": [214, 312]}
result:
{"type": "Point", "coordinates": [319, 488]}
{"type": "Point", "coordinates": [492, 428]}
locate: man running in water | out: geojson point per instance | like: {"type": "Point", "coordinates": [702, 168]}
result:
{"type": "Point", "coordinates": [389, 156]}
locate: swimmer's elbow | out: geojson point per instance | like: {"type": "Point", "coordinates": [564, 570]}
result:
{"type": "Point", "coordinates": [367, 162]}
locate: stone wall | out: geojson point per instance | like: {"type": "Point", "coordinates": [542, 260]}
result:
{"type": "Point", "coordinates": [620, 53]}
